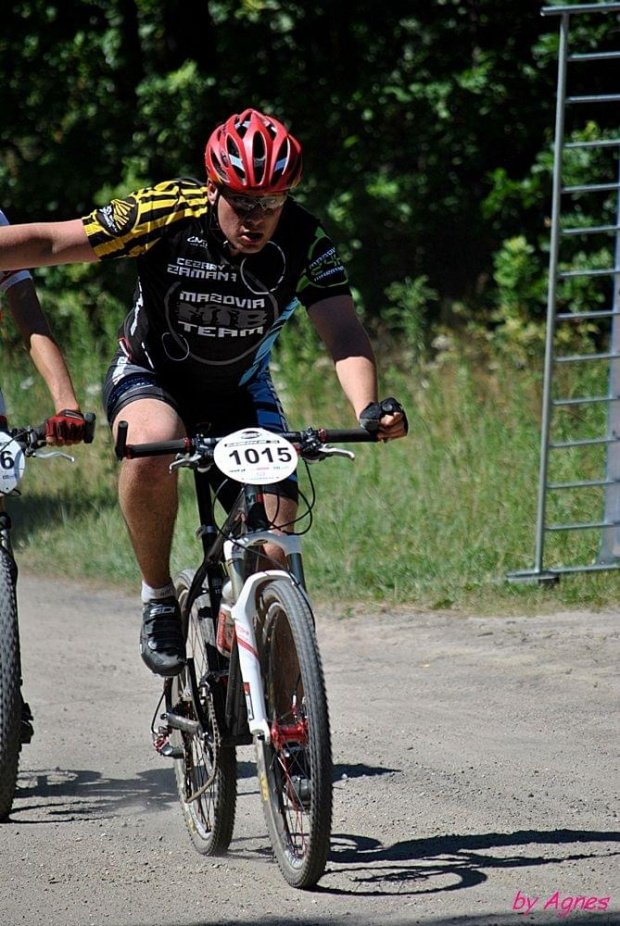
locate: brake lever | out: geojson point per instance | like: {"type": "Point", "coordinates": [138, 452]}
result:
{"type": "Point", "coordinates": [182, 462]}
{"type": "Point", "coordinates": [47, 455]}
{"type": "Point", "coordinates": [338, 452]}
{"type": "Point", "coordinates": [320, 453]}
{"type": "Point", "coordinates": [191, 462]}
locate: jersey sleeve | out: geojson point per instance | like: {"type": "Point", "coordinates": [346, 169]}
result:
{"type": "Point", "coordinates": [9, 278]}
{"type": "Point", "coordinates": [324, 274]}
{"type": "Point", "coordinates": [129, 227]}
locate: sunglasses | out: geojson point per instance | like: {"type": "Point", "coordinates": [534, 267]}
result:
{"type": "Point", "coordinates": [244, 205]}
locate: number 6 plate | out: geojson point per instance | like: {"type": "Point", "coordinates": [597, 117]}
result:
{"type": "Point", "coordinates": [12, 463]}
{"type": "Point", "coordinates": [255, 456]}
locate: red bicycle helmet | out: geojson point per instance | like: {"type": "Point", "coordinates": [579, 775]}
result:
{"type": "Point", "coordinates": [253, 153]}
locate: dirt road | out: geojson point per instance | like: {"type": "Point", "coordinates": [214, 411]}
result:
{"type": "Point", "coordinates": [476, 772]}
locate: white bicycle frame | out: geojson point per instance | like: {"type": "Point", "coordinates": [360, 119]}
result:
{"type": "Point", "coordinates": [244, 612]}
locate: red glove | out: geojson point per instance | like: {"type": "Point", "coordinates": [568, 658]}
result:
{"type": "Point", "coordinates": [67, 427]}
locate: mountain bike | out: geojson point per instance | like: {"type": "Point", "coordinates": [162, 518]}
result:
{"type": "Point", "coordinates": [16, 446]}
{"type": "Point", "coordinates": [253, 671]}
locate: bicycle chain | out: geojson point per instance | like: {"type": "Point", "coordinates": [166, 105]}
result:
{"type": "Point", "coordinates": [216, 746]}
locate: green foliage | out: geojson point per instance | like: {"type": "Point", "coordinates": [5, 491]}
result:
{"type": "Point", "coordinates": [407, 314]}
{"type": "Point", "coordinates": [426, 127]}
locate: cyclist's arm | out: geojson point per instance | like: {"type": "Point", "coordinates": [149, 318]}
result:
{"type": "Point", "coordinates": [346, 340]}
{"type": "Point", "coordinates": [26, 309]}
{"type": "Point", "coordinates": [42, 244]}
{"type": "Point", "coordinates": [345, 337]}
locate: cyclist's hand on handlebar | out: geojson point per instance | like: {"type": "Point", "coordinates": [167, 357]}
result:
{"type": "Point", "coordinates": [386, 419]}
{"type": "Point", "coordinates": [66, 427]}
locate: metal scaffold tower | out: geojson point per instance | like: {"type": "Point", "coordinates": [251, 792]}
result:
{"type": "Point", "coordinates": [587, 495]}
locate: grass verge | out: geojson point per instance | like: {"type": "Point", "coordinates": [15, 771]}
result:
{"type": "Point", "coordinates": [433, 521]}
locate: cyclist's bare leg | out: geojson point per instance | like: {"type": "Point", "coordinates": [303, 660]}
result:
{"type": "Point", "coordinates": [281, 511]}
{"type": "Point", "coordinates": [147, 490]}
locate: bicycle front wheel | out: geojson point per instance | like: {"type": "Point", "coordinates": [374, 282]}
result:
{"type": "Point", "coordinates": [10, 686]}
{"type": "Point", "coordinates": [207, 772]}
{"type": "Point", "coordinates": [295, 768]}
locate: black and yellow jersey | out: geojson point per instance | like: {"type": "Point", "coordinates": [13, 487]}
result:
{"type": "Point", "coordinates": [200, 315]}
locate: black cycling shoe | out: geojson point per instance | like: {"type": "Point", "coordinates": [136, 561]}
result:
{"type": "Point", "coordinates": [161, 639]}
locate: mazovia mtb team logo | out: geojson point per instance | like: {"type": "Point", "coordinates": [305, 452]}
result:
{"type": "Point", "coordinates": [223, 330]}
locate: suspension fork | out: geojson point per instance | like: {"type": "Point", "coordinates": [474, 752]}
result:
{"type": "Point", "coordinates": [243, 613]}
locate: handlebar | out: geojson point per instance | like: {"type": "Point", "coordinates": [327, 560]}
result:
{"type": "Point", "coordinates": [306, 441]}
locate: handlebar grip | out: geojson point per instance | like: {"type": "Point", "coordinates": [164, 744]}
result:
{"type": "Point", "coordinates": [90, 419]}
{"type": "Point", "coordinates": [123, 450]}
{"type": "Point", "coordinates": [158, 448]}
{"type": "Point", "coordinates": [348, 436]}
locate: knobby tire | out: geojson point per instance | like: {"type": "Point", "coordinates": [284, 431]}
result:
{"type": "Point", "coordinates": [210, 817]}
{"type": "Point", "coordinates": [295, 776]}
{"type": "Point", "coordinates": [10, 682]}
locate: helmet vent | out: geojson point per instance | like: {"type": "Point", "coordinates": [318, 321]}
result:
{"type": "Point", "coordinates": [241, 127]}
{"type": "Point", "coordinates": [282, 160]}
{"type": "Point", "coordinates": [235, 158]}
{"type": "Point", "coordinates": [259, 158]}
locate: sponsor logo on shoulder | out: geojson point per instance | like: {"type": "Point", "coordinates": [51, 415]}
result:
{"type": "Point", "coordinates": [119, 217]}
{"type": "Point", "coordinates": [326, 269]}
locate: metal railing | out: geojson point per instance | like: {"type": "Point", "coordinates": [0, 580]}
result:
{"type": "Point", "coordinates": [607, 524]}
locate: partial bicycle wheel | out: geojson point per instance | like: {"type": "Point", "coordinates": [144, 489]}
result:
{"type": "Point", "coordinates": [207, 773]}
{"type": "Point", "coordinates": [10, 682]}
{"type": "Point", "coordinates": [295, 768]}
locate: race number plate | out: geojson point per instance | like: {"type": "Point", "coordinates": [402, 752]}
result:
{"type": "Point", "coordinates": [12, 463]}
{"type": "Point", "coordinates": [255, 456]}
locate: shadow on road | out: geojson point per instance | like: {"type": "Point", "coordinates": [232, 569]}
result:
{"type": "Point", "coordinates": [69, 794]}
{"type": "Point", "coordinates": [414, 867]}
{"type": "Point", "coordinates": [451, 862]}
{"type": "Point", "coordinates": [362, 771]}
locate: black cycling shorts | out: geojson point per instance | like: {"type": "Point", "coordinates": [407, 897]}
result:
{"type": "Point", "coordinates": [254, 405]}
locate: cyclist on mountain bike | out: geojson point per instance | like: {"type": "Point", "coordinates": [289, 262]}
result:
{"type": "Point", "coordinates": [67, 425]}
{"type": "Point", "coordinates": [221, 267]}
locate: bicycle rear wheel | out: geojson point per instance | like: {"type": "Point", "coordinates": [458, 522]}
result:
{"type": "Point", "coordinates": [10, 686]}
{"type": "Point", "coordinates": [206, 775]}
{"type": "Point", "coordinates": [295, 768]}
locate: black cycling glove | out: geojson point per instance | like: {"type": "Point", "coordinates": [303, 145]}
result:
{"type": "Point", "coordinates": [373, 413]}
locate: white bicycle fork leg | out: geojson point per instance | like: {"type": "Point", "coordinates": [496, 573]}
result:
{"type": "Point", "coordinates": [243, 612]}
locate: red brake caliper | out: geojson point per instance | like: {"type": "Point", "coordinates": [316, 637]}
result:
{"type": "Point", "coordinates": [283, 736]}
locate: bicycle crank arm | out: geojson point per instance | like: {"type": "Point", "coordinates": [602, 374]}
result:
{"type": "Point", "coordinates": [182, 723]}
